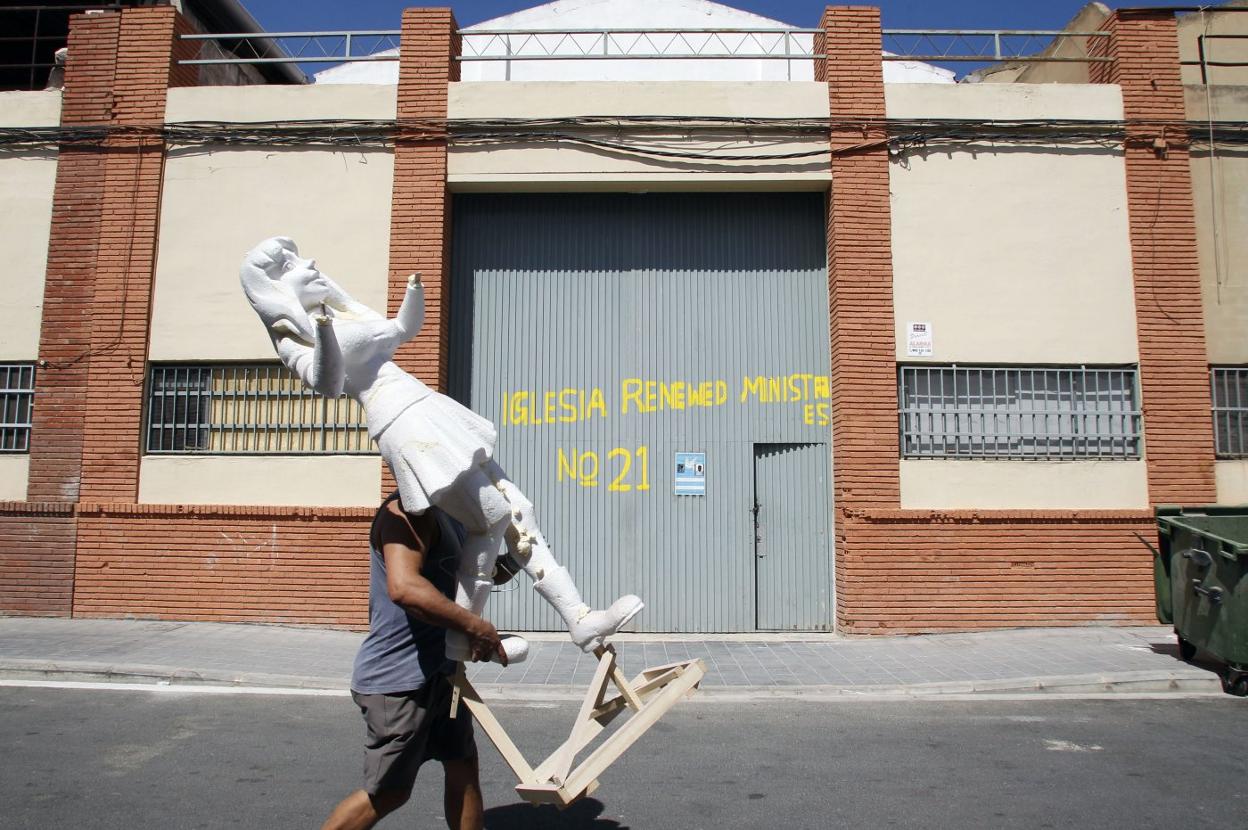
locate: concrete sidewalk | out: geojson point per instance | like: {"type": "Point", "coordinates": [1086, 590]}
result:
{"type": "Point", "coordinates": [1065, 660]}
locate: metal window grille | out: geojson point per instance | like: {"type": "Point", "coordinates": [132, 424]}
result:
{"type": "Point", "coordinates": [1018, 412]}
{"type": "Point", "coordinates": [239, 409]}
{"type": "Point", "coordinates": [1230, 411]}
{"type": "Point", "coordinates": [17, 400]}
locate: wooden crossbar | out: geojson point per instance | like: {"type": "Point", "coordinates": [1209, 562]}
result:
{"type": "Point", "coordinates": [555, 780]}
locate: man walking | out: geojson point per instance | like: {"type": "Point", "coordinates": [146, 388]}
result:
{"type": "Point", "coordinates": [400, 678]}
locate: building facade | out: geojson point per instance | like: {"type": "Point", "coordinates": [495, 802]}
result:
{"type": "Point", "coordinates": [825, 350]}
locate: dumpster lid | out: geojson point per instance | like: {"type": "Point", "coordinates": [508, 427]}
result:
{"type": "Point", "coordinates": [1225, 526]}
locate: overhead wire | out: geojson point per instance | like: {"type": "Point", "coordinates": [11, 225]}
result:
{"type": "Point", "coordinates": [636, 134]}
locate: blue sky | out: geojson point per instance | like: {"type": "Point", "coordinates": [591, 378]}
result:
{"type": "Point", "coordinates": [313, 15]}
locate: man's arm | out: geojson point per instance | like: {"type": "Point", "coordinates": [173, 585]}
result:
{"type": "Point", "coordinates": [404, 545]}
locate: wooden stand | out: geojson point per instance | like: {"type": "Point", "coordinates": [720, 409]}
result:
{"type": "Point", "coordinates": [554, 781]}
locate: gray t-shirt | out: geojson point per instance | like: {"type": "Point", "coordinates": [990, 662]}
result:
{"type": "Point", "coordinates": [401, 652]}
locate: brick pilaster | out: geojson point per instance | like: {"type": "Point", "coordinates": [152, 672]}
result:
{"type": "Point", "coordinates": [126, 257]}
{"type": "Point", "coordinates": [860, 282]}
{"type": "Point", "coordinates": [65, 340]}
{"type": "Point", "coordinates": [1174, 378]}
{"type": "Point", "coordinates": [420, 213]}
{"type": "Point", "coordinates": [420, 209]}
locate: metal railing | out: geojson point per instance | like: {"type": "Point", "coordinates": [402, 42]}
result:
{"type": "Point", "coordinates": [981, 45]}
{"type": "Point", "coordinates": [1005, 412]}
{"type": "Point", "coordinates": [637, 44]}
{"type": "Point", "coordinates": [246, 409]}
{"type": "Point", "coordinates": [938, 45]}
{"type": "Point", "coordinates": [300, 47]}
{"type": "Point", "coordinates": [17, 398]}
{"type": "Point", "coordinates": [1230, 411]}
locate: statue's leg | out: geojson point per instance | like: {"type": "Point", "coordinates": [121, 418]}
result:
{"type": "Point", "coordinates": [588, 628]}
{"type": "Point", "coordinates": [476, 504]}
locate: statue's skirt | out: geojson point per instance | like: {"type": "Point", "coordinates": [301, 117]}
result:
{"type": "Point", "coordinates": [431, 444]}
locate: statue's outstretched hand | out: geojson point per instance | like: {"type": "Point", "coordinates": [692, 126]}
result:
{"type": "Point", "coordinates": [414, 281]}
{"type": "Point", "coordinates": [485, 643]}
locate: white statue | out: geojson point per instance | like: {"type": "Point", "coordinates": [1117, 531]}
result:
{"type": "Point", "coordinates": [441, 453]}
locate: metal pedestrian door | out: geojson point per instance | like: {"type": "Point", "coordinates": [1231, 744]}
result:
{"type": "Point", "coordinates": [792, 546]}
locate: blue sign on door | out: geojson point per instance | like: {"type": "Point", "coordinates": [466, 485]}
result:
{"type": "Point", "coordinates": [690, 474]}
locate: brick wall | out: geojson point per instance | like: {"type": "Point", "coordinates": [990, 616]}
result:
{"type": "Point", "coordinates": [294, 566]}
{"type": "Point", "coordinates": [36, 558]}
{"type": "Point", "coordinates": [65, 342]}
{"type": "Point", "coordinates": [126, 257]}
{"type": "Point", "coordinates": [860, 287]}
{"type": "Point", "coordinates": [1174, 379]}
{"type": "Point", "coordinates": [921, 571]}
{"type": "Point", "coordinates": [420, 213]}
{"type": "Point", "coordinates": [420, 209]}
{"type": "Point", "coordinates": [37, 539]}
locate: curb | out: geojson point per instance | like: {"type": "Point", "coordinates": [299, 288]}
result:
{"type": "Point", "coordinates": [1152, 683]}
{"type": "Point", "coordinates": [159, 675]}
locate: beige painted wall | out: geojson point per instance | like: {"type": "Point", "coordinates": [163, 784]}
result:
{"type": "Point", "coordinates": [1220, 196]}
{"type": "Point", "coordinates": [281, 103]}
{"type": "Point", "coordinates": [1013, 254]}
{"type": "Point", "coordinates": [27, 180]}
{"type": "Point", "coordinates": [14, 476]}
{"type": "Point", "coordinates": [1232, 478]}
{"type": "Point", "coordinates": [543, 165]}
{"type": "Point", "coordinates": [30, 109]}
{"type": "Point", "coordinates": [319, 481]}
{"type": "Point", "coordinates": [939, 484]}
{"type": "Point", "coordinates": [219, 201]}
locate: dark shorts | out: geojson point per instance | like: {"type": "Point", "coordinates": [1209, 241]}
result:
{"type": "Point", "coordinates": [407, 729]}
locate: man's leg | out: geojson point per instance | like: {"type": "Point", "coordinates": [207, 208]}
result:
{"type": "Point", "coordinates": [359, 811]}
{"type": "Point", "coordinates": [464, 808]}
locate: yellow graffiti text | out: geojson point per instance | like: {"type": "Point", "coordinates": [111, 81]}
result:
{"type": "Point", "coordinates": [566, 406]}
{"type": "Point", "coordinates": [795, 388]}
{"type": "Point", "coordinates": [628, 470]}
{"type": "Point", "coordinates": [638, 395]}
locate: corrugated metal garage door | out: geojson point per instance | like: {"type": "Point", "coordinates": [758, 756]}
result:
{"type": "Point", "coordinates": [604, 334]}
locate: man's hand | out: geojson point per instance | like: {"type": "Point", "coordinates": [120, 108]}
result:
{"type": "Point", "coordinates": [485, 643]}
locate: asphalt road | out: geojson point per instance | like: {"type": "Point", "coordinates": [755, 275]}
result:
{"type": "Point", "coordinates": [121, 759]}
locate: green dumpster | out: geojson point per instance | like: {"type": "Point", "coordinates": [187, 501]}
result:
{"type": "Point", "coordinates": [1201, 581]}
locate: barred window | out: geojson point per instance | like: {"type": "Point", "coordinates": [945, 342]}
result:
{"type": "Point", "coordinates": [1043, 413]}
{"type": "Point", "coordinates": [248, 408]}
{"type": "Point", "coordinates": [1230, 411]}
{"type": "Point", "coordinates": [17, 398]}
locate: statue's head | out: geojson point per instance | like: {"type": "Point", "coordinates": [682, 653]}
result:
{"type": "Point", "coordinates": [281, 285]}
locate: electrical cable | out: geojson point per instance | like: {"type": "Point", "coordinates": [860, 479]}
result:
{"type": "Point", "coordinates": [635, 134]}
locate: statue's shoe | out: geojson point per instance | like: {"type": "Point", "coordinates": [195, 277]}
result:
{"type": "Point", "coordinates": [589, 628]}
{"type": "Point", "coordinates": [593, 628]}
{"type": "Point", "coordinates": [459, 650]}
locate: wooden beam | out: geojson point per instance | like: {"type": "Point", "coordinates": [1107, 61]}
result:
{"type": "Point", "coordinates": [615, 745]}
{"type": "Point", "coordinates": [560, 762]}
{"type": "Point", "coordinates": [493, 728]}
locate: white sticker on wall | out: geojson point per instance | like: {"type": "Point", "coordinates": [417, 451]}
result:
{"type": "Point", "coordinates": [690, 477]}
{"type": "Point", "coordinates": [919, 340]}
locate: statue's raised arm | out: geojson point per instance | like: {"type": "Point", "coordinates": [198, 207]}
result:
{"type": "Point", "coordinates": [412, 310]}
